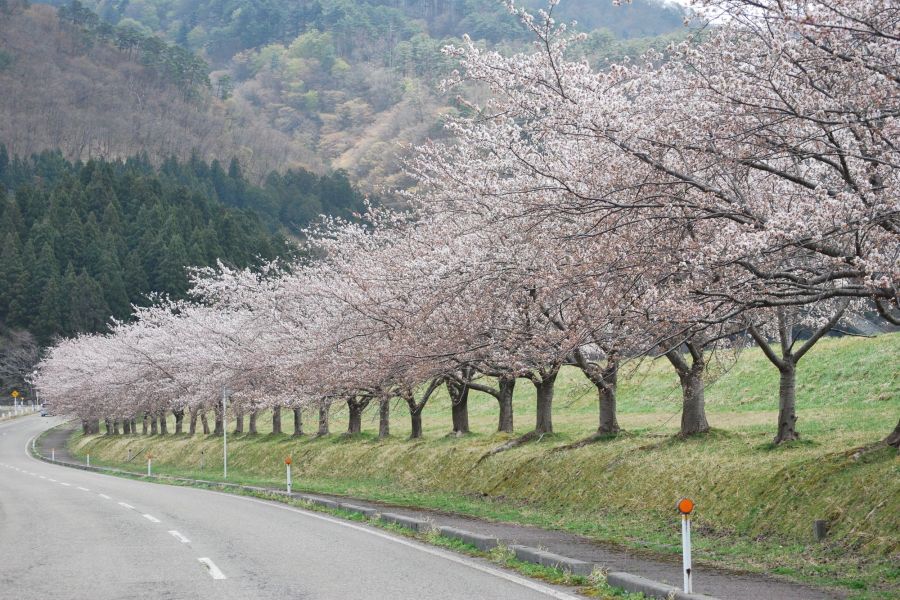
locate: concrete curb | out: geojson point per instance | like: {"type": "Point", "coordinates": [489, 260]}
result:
{"type": "Point", "coordinates": [362, 510]}
{"type": "Point", "coordinates": [409, 523]}
{"type": "Point", "coordinates": [549, 559]}
{"type": "Point", "coordinates": [482, 542]}
{"type": "Point", "coordinates": [650, 588]}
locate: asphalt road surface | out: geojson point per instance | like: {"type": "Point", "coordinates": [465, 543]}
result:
{"type": "Point", "coordinates": [66, 533]}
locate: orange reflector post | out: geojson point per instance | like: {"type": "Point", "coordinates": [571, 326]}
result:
{"type": "Point", "coordinates": [685, 506]}
{"type": "Point", "coordinates": [288, 460]}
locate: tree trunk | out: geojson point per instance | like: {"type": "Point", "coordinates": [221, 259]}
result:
{"type": "Point", "coordinates": [459, 403]}
{"type": "Point", "coordinates": [253, 415]}
{"type": "Point", "coordinates": [85, 427]}
{"type": "Point", "coordinates": [192, 425]}
{"type": "Point", "coordinates": [179, 421]}
{"type": "Point", "coordinates": [163, 424]}
{"type": "Point", "coordinates": [416, 422]}
{"type": "Point", "coordinates": [298, 422]}
{"type": "Point", "coordinates": [693, 405]}
{"type": "Point", "coordinates": [204, 422]}
{"type": "Point", "coordinates": [154, 429]}
{"type": "Point", "coordinates": [384, 418]}
{"type": "Point", "coordinates": [126, 427]}
{"type": "Point", "coordinates": [693, 413]}
{"type": "Point", "coordinates": [133, 427]}
{"type": "Point", "coordinates": [115, 427]}
{"type": "Point", "coordinates": [239, 422]}
{"type": "Point", "coordinates": [354, 423]}
{"type": "Point", "coordinates": [544, 387]}
{"type": "Point", "coordinates": [145, 423]}
{"type": "Point", "coordinates": [505, 398]}
{"type": "Point", "coordinates": [108, 423]}
{"type": "Point", "coordinates": [323, 419]}
{"type": "Point", "coordinates": [218, 424]}
{"type": "Point", "coordinates": [609, 424]}
{"type": "Point", "coordinates": [893, 440]}
{"type": "Point", "coordinates": [276, 420]}
{"type": "Point", "coordinates": [787, 402]}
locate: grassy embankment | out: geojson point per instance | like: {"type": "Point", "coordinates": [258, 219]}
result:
{"type": "Point", "coordinates": [756, 503]}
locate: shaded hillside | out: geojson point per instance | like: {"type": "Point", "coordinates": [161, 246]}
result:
{"type": "Point", "coordinates": [86, 97]}
{"type": "Point", "coordinates": [352, 84]}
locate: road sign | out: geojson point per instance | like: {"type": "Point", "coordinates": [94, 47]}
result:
{"type": "Point", "coordinates": [15, 393]}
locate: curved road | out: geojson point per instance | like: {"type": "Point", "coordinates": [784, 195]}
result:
{"type": "Point", "coordinates": [72, 534]}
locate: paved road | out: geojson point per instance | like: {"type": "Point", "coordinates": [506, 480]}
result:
{"type": "Point", "coordinates": [66, 533]}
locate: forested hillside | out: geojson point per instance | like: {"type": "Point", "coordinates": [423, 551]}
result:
{"type": "Point", "coordinates": [322, 84]}
{"type": "Point", "coordinates": [84, 241]}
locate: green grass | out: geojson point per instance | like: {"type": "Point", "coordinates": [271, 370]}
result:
{"type": "Point", "coordinates": [755, 502]}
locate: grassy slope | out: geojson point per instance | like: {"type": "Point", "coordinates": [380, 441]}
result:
{"type": "Point", "coordinates": [756, 503]}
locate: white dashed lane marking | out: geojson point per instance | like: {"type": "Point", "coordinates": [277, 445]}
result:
{"type": "Point", "coordinates": [179, 537]}
{"type": "Point", "coordinates": [128, 506]}
{"type": "Point", "coordinates": [214, 571]}
{"type": "Point", "coordinates": [104, 496]}
{"type": "Point", "coordinates": [151, 518]}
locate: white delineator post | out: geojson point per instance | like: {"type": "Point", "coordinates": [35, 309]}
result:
{"type": "Point", "coordinates": [88, 460]}
{"type": "Point", "coordinates": [287, 466]}
{"type": "Point", "coordinates": [149, 464]}
{"type": "Point", "coordinates": [686, 507]}
{"type": "Point", "coordinates": [52, 453]}
{"type": "Point", "coordinates": [224, 432]}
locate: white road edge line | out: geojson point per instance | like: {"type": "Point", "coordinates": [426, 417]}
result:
{"type": "Point", "coordinates": [537, 587]}
{"type": "Point", "coordinates": [128, 506]}
{"type": "Point", "coordinates": [179, 537]}
{"type": "Point", "coordinates": [214, 571]}
{"type": "Point", "coordinates": [151, 518]}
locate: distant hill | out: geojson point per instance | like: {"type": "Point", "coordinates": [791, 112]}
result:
{"type": "Point", "coordinates": [323, 84]}
{"type": "Point", "coordinates": [63, 89]}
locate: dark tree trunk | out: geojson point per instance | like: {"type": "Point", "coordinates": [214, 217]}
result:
{"type": "Point", "coordinates": [606, 381]}
{"type": "Point", "coordinates": [108, 423]}
{"type": "Point", "coordinates": [693, 414]}
{"type": "Point", "coordinates": [145, 423]}
{"type": "Point", "coordinates": [154, 428]}
{"type": "Point", "coordinates": [787, 403]}
{"type": "Point", "coordinates": [204, 422]}
{"type": "Point", "coordinates": [609, 424]}
{"type": "Point", "coordinates": [85, 427]}
{"type": "Point", "coordinates": [323, 419]}
{"type": "Point", "coordinates": [133, 427]}
{"type": "Point", "coordinates": [416, 423]}
{"type": "Point", "coordinates": [893, 440]}
{"type": "Point", "coordinates": [179, 421]}
{"type": "Point", "coordinates": [384, 417]}
{"type": "Point", "coordinates": [192, 425]}
{"type": "Point", "coordinates": [126, 426]}
{"type": "Point", "coordinates": [253, 415]}
{"type": "Point", "coordinates": [218, 424]}
{"type": "Point", "coordinates": [115, 427]}
{"type": "Point", "coordinates": [355, 406]}
{"type": "Point", "coordinates": [298, 422]}
{"type": "Point", "coordinates": [163, 423]}
{"type": "Point", "coordinates": [95, 426]}
{"type": "Point", "coordinates": [238, 422]}
{"type": "Point", "coordinates": [460, 409]}
{"type": "Point", "coordinates": [276, 420]}
{"type": "Point", "coordinates": [693, 406]}
{"type": "Point", "coordinates": [544, 383]}
{"type": "Point", "coordinates": [505, 400]}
